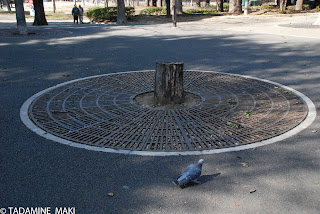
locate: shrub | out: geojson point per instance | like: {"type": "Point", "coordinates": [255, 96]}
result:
{"type": "Point", "coordinates": [107, 14]}
{"type": "Point", "coordinates": [194, 11]}
{"type": "Point", "coordinates": [268, 6]}
{"type": "Point", "coordinates": [154, 11]}
{"type": "Point", "coordinates": [225, 6]}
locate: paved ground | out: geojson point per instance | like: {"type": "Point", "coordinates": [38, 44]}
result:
{"type": "Point", "coordinates": [36, 172]}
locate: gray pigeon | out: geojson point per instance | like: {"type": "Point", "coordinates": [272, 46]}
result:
{"type": "Point", "coordinates": [190, 175]}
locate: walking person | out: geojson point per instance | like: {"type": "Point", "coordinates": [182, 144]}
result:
{"type": "Point", "coordinates": [75, 13]}
{"type": "Point", "coordinates": [80, 14]}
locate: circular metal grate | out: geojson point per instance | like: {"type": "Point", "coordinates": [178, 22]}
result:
{"type": "Point", "coordinates": [101, 112]}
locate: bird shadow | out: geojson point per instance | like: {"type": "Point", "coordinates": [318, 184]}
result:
{"type": "Point", "coordinates": [203, 179]}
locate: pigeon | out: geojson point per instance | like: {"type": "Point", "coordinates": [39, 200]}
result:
{"type": "Point", "coordinates": [190, 175]}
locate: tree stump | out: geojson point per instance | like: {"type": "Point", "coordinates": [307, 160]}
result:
{"type": "Point", "coordinates": [168, 88]}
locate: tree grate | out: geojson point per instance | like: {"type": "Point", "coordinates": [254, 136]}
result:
{"type": "Point", "coordinates": [234, 110]}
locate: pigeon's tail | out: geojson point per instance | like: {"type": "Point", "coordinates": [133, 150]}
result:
{"type": "Point", "coordinates": [175, 182]}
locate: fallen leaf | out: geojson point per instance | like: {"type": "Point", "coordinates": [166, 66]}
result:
{"type": "Point", "coordinates": [314, 131]}
{"type": "Point", "coordinates": [110, 194]}
{"type": "Point", "coordinates": [237, 182]}
{"type": "Point", "coordinates": [252, 191]}
{"type": "Point", "coordinates": [245, 164]}
{"type": "Point", "coordinates": [245, 187]}
{"type": "Point", "coordinates": [235, 204]}
{"type": "Point", "coordinates": [125, 187]}
{"type": "Point", "coordinates": [317, 182]}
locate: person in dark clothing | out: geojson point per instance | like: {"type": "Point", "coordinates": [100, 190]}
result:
{"type": "Point", "coordinates": [80, 14]}
{"type": "Point", "coordinates": [75, 13]}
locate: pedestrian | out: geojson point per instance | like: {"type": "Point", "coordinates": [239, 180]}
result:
{"type": "Point", "coordinates": [75, 13]}
{"type": "Point", "coordinates": [80, 14]}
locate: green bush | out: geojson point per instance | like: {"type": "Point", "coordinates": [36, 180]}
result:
{"type": "Point", "coordinates": [194, 11]}
{"type": "Point", "coordinates": [225, 6]}
{"type": "Point", "coordinates": [268, 7]}
{"type": "Point", "coordinates": [154, 11]}
{"type": "Point", "coordinates": [107, 14]}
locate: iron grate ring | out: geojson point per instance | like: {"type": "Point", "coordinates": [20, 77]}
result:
{"type": "Point", "coordinates": [100, 112]}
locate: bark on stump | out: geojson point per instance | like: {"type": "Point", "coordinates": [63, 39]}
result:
{"type": "Point", "coordinates": [168, 88]}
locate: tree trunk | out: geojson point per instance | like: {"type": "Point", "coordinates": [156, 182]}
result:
{"type": "Point", "coordinates": [283, 5]}
{"type": "Point", "coordinates": [174, 12]}
{"type": "Point", "coordinates": [159, 3]}
{"type": "Point", "coordinates": [246, 7]}
{"type": "Point", "coordinates": [147, 3]}
{"type": "Point", "coordinates": [299, 5]}
{"type": "Point", "coordinates": [220, 5]}
{"type": "Point", "coordinates": [21, 19]}
{"type": "Point", "coordinates": [168, 7]}
{"type": "Point", "coordinates": [54, 5]}
{"type": "Point", "coordinates": [121, 13]}
{"type": "Point", "coordinates": [169, 84]}
{"type": "Point", "coordinates": [235, 6]}
{"type": "Point", "coordinates": [40, 17]}
{"type": "Point", "coordinates": [198, 3]}
{"type": "Point", "coordinates": [179, 6]}
{"type": "Point", "coordinates": [8, 5]}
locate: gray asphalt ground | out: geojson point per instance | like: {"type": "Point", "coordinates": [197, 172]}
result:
{"type": "Point", "coordinates": [36, 172]}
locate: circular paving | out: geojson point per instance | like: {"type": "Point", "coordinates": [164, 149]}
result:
{"type": "Point", "coordinates": [233, 113]}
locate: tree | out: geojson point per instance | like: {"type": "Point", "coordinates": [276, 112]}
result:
{"type": "Point", "coordinates": [40, 17]}
{"type": "Point", "coordinates": [220, 5]}
{"type": "Point", "coordinates": [168, 8]}
{"type": "Point", "coordinates": [147, 3]}
{"type": "Point", "coordinates": [283, 5]}
{"type": "Point", "coordinates": [179, 6]}
{"type": "Point", "coordinates": [235, 6]}
{"type": "Point", "coordinates": [121, 13]}
{"type": "Point", "coordinates": [299, 5]}
{"type": "Point", "coordinates": [54, 5]}
{"type": "Point", "coordinates": [21, 18]}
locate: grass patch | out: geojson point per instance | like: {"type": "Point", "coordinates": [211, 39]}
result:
{"type": "Point", "coordinates": [107, 14]}
{"type": "Point", "coordinates": [201, 11]}
{"type": "Point", "coordinates": [154, 11]}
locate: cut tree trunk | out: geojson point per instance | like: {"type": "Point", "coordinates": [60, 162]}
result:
{"type": "Point", "coordinates": [21, 18]}
{"type": "Point", "coordinates": [169, 84]}
{"type": "Point", "coordinates": [40, 17]}
{"type": "Point", "coordinates": [299, 5]}
{"type": "Point", "coordinates": [121, 13]}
